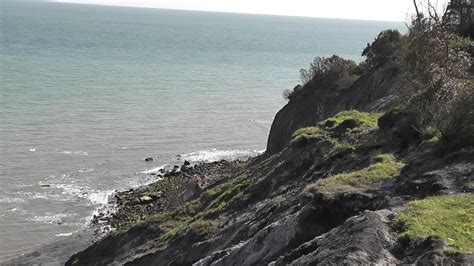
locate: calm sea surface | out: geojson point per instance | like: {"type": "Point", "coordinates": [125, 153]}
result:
{"type": "Point", "coordinates": [88, 92]}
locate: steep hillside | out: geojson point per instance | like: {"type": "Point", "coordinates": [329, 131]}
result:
{"type": "Point", "coordinates": [372, 92]}
{"type": "Point", "coordinates": [341, 192]}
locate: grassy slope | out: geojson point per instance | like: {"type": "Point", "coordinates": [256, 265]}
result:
{"type": "Point", "coordinates": [448, 217]}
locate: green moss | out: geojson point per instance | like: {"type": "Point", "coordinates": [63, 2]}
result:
{"type": "Point", "coordinates": [366, 120]}
{"type": "Point", "coordinates": [386, 167]}
{"type": "Point", "coordinates": [342, 147]}
{"type": "Point", "coordinates": [448, 217]}
{"type": "Point", "coordinates": [307, 131]}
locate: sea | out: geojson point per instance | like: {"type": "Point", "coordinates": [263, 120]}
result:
{"type": "Point", "coordinates": [88, 92]}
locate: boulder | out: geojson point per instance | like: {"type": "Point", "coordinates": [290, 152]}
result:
{"type": "Point", "coordinates": [145, 199]}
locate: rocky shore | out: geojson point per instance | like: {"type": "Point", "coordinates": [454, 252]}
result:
{"type": "Point", "coordinates": [176, 187]}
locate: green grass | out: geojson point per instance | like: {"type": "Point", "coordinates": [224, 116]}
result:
{"type": "Point", "coordinates": [386, 167]}
{"type": "Point", "coordinates": [448, 217]}
{"type": "Point", "coordinates": [304, 135]}
{"type": "Point", "coordinates": [366, 120]}
{"type": "Point", "coordinates": [308, 131]}
{"type": "Point", "coordinates": [342, 147]}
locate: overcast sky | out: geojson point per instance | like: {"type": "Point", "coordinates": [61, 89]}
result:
{"type": "Point", "coordinates": [389, 10]}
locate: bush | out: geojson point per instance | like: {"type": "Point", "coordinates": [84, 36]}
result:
{"type": "Point", "coordinates": [326, 72]}
{"type": "Point", "coordinates": [460, 126]}
{"type": "Point", "coordinates": [289, 94]}
{"type": "Point", "coordinates": [382, 49]}
{"type": "Point", "coordinates": [435, 64]}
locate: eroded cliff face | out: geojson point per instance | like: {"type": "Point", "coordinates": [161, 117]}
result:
{"type": "Point", "coordinates": [331, 196]}
{"type": "Point", "coordinates": [372, 92]}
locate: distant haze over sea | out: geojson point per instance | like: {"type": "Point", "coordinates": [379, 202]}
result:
{"type": "Point", "coordinates": [89, 92]}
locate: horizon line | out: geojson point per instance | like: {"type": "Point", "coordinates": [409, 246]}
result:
{"type": "Point", "coordinates": [219, 11]}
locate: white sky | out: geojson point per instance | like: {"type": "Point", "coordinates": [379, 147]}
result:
{"type": "Point", "coordinates": [388, 10]}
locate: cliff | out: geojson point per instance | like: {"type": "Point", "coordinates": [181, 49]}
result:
{"type": "Point", "coordinates": [377, 172]}
{"type": "Point", "coordinates": [337, 194]}
{"type": "Point", "coordinates": [372, 92]}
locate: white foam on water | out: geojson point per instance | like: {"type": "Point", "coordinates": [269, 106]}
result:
{"type": "Point", "coordinates": [32, 195]}
{"type": "Point", "coordinates": [95, 196]}
{"type": "Point", "coordinates": [100, 197]}
{"type": "Point", "coordinates": [32, 150]}
{"type": "Point", "coordinates": [50, 218]}
{"type": "Point", "coordinates": [11, 200]}
{"type": "Point", "coordinates": [85, 170]}
{"type": "Point", "coordinates": [216, 155]}
{"type": "Point", "coordinates": [153, 170]}
{"type": "Point", "coordinates": [64, 234]}
{"type": "Point", "coordinates": [80, 153]}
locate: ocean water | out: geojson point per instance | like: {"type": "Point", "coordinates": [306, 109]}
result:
{"type": "Point", "coordinates": [88, 92]}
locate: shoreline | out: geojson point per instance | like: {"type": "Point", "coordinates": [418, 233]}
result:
{"type": "Point", "coordinates": [175, 187]}
{"type": "Point", "coordinates": [128, 207]}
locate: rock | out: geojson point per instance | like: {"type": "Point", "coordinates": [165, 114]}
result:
{"type": "Point", "coordinates": [145, 199]}
{"type": "Point", "coordinates": [186, 163]}
{"type": "Point", "coordinates": [362, 239]}
{"type": "Point", "coordinates": [149, 159]}
{"type": "Point", "coordinates": [118, 198]}
{"type": "Point", "coordinates": [157, 195]}
{"type": "Point", "coordinates": [45, 186]}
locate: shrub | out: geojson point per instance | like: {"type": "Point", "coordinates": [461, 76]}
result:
{"type": "Point", "coordinates": [289, 94]}
{"type": "Point", "coordinates": [460, 126]}
{"type": "Point", "coordinates": [435, 64]}
{"type": "Point", "coordinates": [448, 217]}
{"type": "Point", "coordinates": [382, 49]}
{"type": "Point", "coordinates": [326, 72]}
